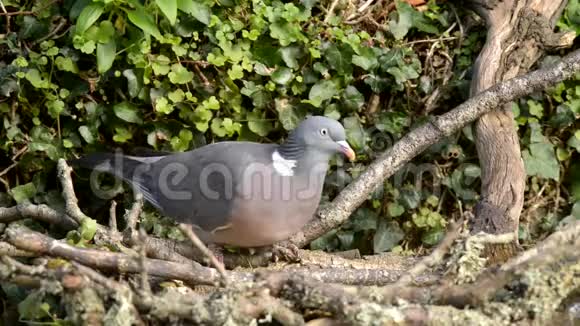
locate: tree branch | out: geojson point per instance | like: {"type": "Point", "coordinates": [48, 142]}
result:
{"type": "Point", "coordinates": [428, 134]}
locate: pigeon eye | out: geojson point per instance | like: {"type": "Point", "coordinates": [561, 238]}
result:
{"type": "Point", "coordinates": [323, 131]}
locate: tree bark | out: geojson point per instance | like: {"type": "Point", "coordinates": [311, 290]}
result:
{"type": "Point", "coordinates": [518, 33]}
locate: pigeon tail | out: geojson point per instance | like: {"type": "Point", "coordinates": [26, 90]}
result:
{"type": "Point", "coordinates": [131, 169]}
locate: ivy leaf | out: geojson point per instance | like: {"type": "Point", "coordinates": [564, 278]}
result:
{"type": "Point", "coordinates": [400, 27]}
{"type": "Point", "coordinates": [536, 135]}
{"type": "Point", "coordinates": [162, 105]}
{"type": "Point", "coordinates": [88, 228]}
{"type": "Point", "coordinates": [377, 83]}
{"type": "Point", "coordinates": [282, 75]}
{"type": "Point", "coordinates": [355, 133]}
{"type": "Point", "coordinates": [387, 235]}
{"type": "Point", "coordinates": [364, 219]}
{"type": "Point", "coordinates": [87, 134]}
{"type": "Point", "coordinates": [36, 79]}
{"type": "Point", "coordinates": [201, 118]}
{"type": "Point", "coordinates": [322, 91]}
{"type": "Point", "coordinates": [282, 31]}
{"type": "Point", "coordinates": [339, 58]}
{"type": "Point", "coordinates": [55, 107]}
{"type": "Point", "coordinates": [432, 236]}
{"type": "Point", "coordinates": [89, 16]}
{"type": "Point", "coordinates": [32, 28]}
{"type": "Point", "coordinates": [541, 161]}
{"type": "Point", "coordinates": [198, 10]}
{"type": "Point", "coordinates": [288, 115]}
{"type": "Point", "coordinates": [179, 74]}
{"type": "Point", "coordinates": [66, 64]}
{"type": "Point", "coordinates": [410, 198]}
{"type": "Point", "coordinates": [217, 127]}
{"type": "Point", "coordinates": [236, 72]}
{"type": "Point", "coordinates": [161, 65]}
{"type": "Point", "coordinates": [127, 112]}
{"type": "Point", "coordinates": [353, 99]}
{"type": "Point", "coordinates": [122, 135]}
{"type": "Point", "coordinates": [134, 84]}
{"type": "Point", "coordinates": [222, 127]}
{"type": "Point", "coordinates": [33, 308]}
{"type": "Point", "coordinates": [536, 109]}
{"type": "Point", "coordinates": [574, 141]}
{"type": "Point", "coordinates": [181, 143]}
{"type": "Point", "coordinates": [145, 22]}
{"type": "Point", "coordinates": [176, 96]}
{"type": "Point", "coordinates": [402, 74]}
{"type": "Point", "coordinates": [332, 111]}
{"type": "Point", "coordinates": [258, 124]}
{"type": "Point", "coordinates": [367, 59]}
{"type": "Point", "coordinates": [23, 193]}
{"type": "Point", "coordinates": [106, 53]}
{"type": "Point", "coordinates": [395, 209]}
{"type": "Point", "coordinates": [576, 210]}
{"type": "Point", "coordinates": [169, 9]}
{"type": "Point", "coordinates": [231, 127]}
{"type": "Point", "coordinates": [408, 18]}
{"type": "Point", "coordinates": [290, 55]}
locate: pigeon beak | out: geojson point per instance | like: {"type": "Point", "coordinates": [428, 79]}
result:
{"type": "Point", "coordinates": [346, 150]}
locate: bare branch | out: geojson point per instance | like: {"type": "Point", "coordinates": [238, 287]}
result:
{"type": "Point", "coordinates": [41, 213]}
{"type": "Point", "coordinates": [133, 215]}
{"type": "Point", "coordinates": [68, 192]}
{"type": "Point", "coordinates": [186, 229]}
{"type": "Point", "coordinates": [25, 239]}
{"type": "Point", "coordinates": [435, 257]}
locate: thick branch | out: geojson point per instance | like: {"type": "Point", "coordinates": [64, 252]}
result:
{"type": "Point", "coordinates": [26, 239]}
{"type": "Point", "coordinates": [38, 212]}
{"type": "Point", "coordinates": [428, 134]}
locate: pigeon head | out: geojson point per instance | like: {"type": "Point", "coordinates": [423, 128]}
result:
{"type": "Point", "coordinates": [322, 135]}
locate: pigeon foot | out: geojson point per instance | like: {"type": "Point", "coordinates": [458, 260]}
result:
{"type": "Point", "coordinates": [288, 252]}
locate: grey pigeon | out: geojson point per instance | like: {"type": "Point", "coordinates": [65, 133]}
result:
{"type": "Point", "coordinates": [243, 194]}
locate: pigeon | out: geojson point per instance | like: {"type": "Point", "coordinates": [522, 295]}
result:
{"type": "Point", "coordinates": [236, 193]}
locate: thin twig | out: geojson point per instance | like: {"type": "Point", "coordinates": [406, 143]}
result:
{"type": "Point", "coordinates": [330, 11]}
{"type": "Point", "coordinates": [68, 192]}
{"type": "Point", "coordinates": [27, 12]}
{"type": "Point", "coordinates": [14, 162]}
{"type": "Point", "coordinates": [204, 79]}
{"type": "Point", "coordinates": [450, 38]}
{"type": "Point", "coordinates": [435, 257]}
{"type": "Point", "coordinates": [145, 286]}
{"type": "Point", "coordinates": [113, 217]}
{"type": "Point", "coordinates": [2, 7]}
{"type": "Point", "coordinates": [133, 215]}
{"type": "Point", "coordinates": [186, 229]}
{"type": "Point", "coordinates": [61, 23]}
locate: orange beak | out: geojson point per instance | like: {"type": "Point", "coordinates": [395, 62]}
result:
{"type": "Point", "coordinates": [347, 150]}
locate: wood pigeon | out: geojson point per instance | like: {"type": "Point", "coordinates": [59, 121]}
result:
{"type": "Point", "coordinates": [243, 194]}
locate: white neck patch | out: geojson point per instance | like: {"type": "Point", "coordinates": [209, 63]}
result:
{"type": "Point", "coordinates": [283, 166]}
